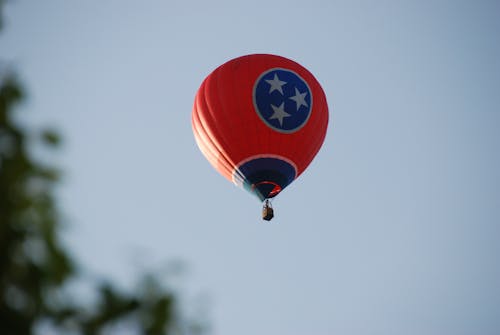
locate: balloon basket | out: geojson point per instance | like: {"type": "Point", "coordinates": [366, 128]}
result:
{"type": "Point", "coordinates": [267, 211]}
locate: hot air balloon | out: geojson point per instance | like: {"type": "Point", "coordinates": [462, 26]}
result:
{"type": "Point", "coordinates": [260, 120]}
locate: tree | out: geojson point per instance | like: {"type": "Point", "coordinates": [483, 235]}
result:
{"type": "Point", "coordinates": [34, 265]}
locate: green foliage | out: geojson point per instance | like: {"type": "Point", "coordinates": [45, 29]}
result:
{"type": "Point", "coordinates": [34, 265]}
{"type": "Point", "coordinates": [1, 13]}
{"type": "Point", "coordinates": [30, 254]}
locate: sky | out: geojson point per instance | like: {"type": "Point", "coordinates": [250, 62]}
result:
{"type": "Point", "coordinates": [393, 229]}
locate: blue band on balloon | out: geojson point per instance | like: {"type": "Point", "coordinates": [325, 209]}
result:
{"type": "Point", "coordinates": [265, 176]}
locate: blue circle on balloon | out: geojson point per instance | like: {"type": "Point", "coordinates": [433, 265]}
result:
{"type": "Point", "coordinates": [282, 99]}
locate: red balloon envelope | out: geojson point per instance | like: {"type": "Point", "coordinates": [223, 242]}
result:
{"type": "Point", "coordinates": [260, 120]}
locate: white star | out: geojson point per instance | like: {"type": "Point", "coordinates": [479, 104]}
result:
{"type": "Point", "coordinates": [276, 84]}
{"type": "Point", "coordinates": [279, 113]}
{"type": "Point", "coordinates": [299, 98]}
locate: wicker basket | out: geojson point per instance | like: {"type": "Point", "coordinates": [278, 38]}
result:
{"type": "Point", "coordinates": [267, 213]}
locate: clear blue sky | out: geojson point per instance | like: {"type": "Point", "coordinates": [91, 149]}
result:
{"type": "Point", "coordinates": [394, 228]}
